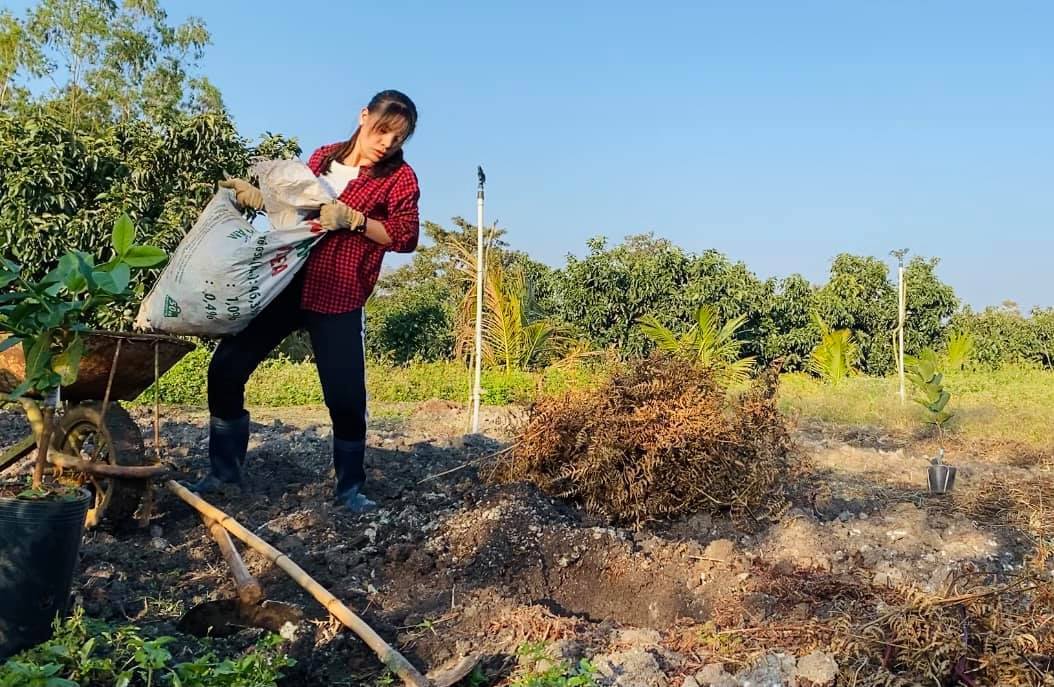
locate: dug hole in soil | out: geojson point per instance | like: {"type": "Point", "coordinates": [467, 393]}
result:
{"type": "Point", "coordinates": [453, 566]}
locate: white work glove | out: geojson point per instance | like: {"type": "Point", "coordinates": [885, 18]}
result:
{"type": "Point", "coordinates": [245, 194]}
{"type": "Point", "coordinates": [337, 215]}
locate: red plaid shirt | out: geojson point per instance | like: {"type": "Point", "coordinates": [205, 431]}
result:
{"type": "Point", "coordinates": [343, 268]}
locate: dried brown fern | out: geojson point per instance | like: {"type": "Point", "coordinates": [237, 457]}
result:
{"type": "Point", "coordinates": [661, 438]}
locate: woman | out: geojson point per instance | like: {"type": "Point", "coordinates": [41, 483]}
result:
{"type": "Point", "coordinates": [376, 212]}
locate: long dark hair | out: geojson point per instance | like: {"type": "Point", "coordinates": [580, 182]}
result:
{"type": "Point", "coordinates": [395, 109]}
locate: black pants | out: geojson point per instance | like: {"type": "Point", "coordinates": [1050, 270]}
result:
{"type": "Point", "coordinates": [337, 341]}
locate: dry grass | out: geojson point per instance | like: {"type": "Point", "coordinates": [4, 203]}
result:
{"type": "Point", "coordinates": [659, 439]}
{"type": "Point", "coordinates": [979, 631]}
{"type": "Point", "coordinates": [1020, 505]}
{"type": "Point", "coordinates": [1013, 405]}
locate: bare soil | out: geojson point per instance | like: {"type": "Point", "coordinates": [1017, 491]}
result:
{"type": "Point", "coordinates": [449, 565]}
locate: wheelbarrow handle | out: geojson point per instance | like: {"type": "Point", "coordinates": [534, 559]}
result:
{"type": "Point", "coordinates": [68, 462]}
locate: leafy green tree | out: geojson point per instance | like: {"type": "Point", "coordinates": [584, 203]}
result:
{"type": "Point", "coordinates": [104, 61]}
{"type": "Point", "coordinates": [931, 303]}
{"type": "Point", "coordinates": [410, 323]}
{"type": "Point", "coordinates": [1041, 339]}
{"type": "Point", "coordinates": [789, 329]}
{"type": "Point", "coordinates": [1002, 335]}
{"type": "Point", "coordinates": [63, 187]}
{"type": "Point", "coordinates": [858, 296]}
{"type": "Point", "coordinates": [20, 54]}
{"type": "Point", "coordinates": [609, 290]}
{"type": "Point", "coordinates": [102, 112]}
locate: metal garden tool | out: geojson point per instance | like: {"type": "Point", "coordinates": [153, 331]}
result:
{"type": "Point", "coordinates": [392, 659]}
{"type": "Point", "coordinates": [224, 617]}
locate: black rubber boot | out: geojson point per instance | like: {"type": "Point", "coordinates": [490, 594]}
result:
{"type": "Point", "coordinates": [348, 459]}
{"type": "Point", "coordinates": [228, 442]}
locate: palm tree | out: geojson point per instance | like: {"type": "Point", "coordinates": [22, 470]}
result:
{"type": "Point", "coordinates": [516, 334]}
{"type": "Point", "coordinates": [959, 351]}
{"type": "Point", "coordinates": [837, 354]}
{"type": "Point", "coordinates": [708, 342]}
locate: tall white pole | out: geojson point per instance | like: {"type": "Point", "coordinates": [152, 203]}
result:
{"type": "Point", "coordinates": [901, 316]}
{"type": "Point", "coordinates": [476, 387]}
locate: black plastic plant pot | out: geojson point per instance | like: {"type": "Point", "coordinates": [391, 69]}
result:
{"type": "Point", "coordinates": [39, 543]}
{"type": "Point", "coordinates": [941, 478]}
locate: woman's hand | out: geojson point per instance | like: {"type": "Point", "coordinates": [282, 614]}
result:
{"type": "Point", "coordinates": [337, 215]}
{"type": "Point", "coordinates": [245, 194]}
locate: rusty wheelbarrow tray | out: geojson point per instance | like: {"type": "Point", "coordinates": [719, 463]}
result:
{"type": "Point", "coordinates": [94, 442]}
{"type": "Point", "coordinates": [134, 372]}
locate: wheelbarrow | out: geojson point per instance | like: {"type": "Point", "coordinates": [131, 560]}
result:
{"type": "Point", "coordinates": [94, 442]}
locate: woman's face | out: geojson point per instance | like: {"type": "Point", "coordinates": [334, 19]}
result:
{"type": "Point", "coordinates": [379, 136]}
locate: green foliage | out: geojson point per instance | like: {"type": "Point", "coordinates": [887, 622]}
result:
{"type": "Point", "coordinates": [516, 334]}
{"type": "Point", "coordinates": [549, 673]}
{"type": "Point", "coordinates": [789, 329]}
{"type": "Point", "coordinates": [835, 357]}
{"type": "Point", "coordinates": [48, 317]}
{"type": "Point", "coordinates": [63, 187]}
{"type": "Point", "coordinates": [958, 351]}
{"type": "Point", "coordinates": [1002, 335]}
{"type": "Point", "coordinates": [610, 290]}
{"type": "Point", "coordinates": [707, 341]}
{"type": "Point", "coordinates": [105, 61]}
{"type": "Point", "coordinates": [186, 383]}
{"type": "Point", "coordinates": [426, 310]}
{"type": "Point", "coordinates": [930, 304]}
{"type": "Point", "coordinates": [281, 382]}
{"type": "Point", "coordinates": [419, 309]}
{"type": "Point", "coordinates": [925, 376]}
{"type": "Point", "coordinates": [412, 324]}
{"type": "Point", "coordinates": [87, 652]}
{"type": "Point", "coordinates": [860, 296]}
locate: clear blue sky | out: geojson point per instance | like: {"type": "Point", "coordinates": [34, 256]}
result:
{"type": "Point", "coordinates": [780, 133]}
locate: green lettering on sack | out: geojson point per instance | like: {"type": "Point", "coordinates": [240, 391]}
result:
{"type": "Point", "coordinates": [172, 308]}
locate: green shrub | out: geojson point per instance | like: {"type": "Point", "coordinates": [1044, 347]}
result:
{"type": "Point", "coordinates": [87, 652]}
{"type": "Point", "coordinates": [543, 671]}
{"type": "Point", "coordinates": [410, 325]}
{"type": "Point", "coordinates": [185, 383]}
{"type": "Point", "coordinates": [1000, 336]}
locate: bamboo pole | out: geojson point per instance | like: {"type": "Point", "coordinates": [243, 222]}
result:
{"type": "Point", "coordinates": [391, 658]}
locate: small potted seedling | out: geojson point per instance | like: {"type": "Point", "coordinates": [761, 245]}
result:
{"type": "Point", "coordinates": [41, 526]}
{"type": "Point", "coordinates": [924, 374]}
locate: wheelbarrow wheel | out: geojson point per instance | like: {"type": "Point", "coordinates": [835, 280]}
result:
{"type": "Point", "coordinates": [113, 439]}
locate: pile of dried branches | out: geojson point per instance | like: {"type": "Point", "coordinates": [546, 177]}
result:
{"type": "Point", "coordinates": [661, 438]}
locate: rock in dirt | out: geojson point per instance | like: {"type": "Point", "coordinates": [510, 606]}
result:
{"type": "Point", "coordinates": [636, 667]}
{"type": "Point", "coordinates": [569, 650]}
{"type": "Point", "coordinates": [638, 637]}
{"type": "Point", "coordinates": [816, 670]}
{"type": "Point", "coordinates": [291, 544]}
{"type": "Point", "coordinates": [720, 550]}
{"type": "Point", "coordinates": [774, 670]}
{"type": "Point", "coordinates": [714, 675]}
